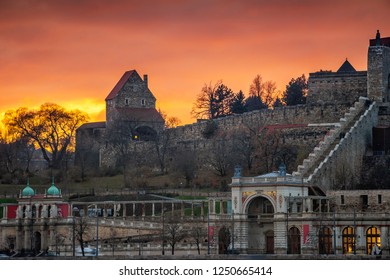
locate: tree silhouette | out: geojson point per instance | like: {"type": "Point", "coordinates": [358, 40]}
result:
{"type": "Point", "coordinates": [296, 91]}
{"type": "Point", "coordinates": [214, 101]}
{"type": "Point", "coordinates": [51, 128]}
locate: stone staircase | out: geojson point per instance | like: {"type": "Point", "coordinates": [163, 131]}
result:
{"type": "Point", "coordinates": [332, 139]}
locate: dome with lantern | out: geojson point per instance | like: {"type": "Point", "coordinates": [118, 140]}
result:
{"type": "Point", "coordinates": [53, 190]}
{"type": "Point", "coordinates": [27, 191]}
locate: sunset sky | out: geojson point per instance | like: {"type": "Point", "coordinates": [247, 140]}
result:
{"type": "Point", "coordinates": [73, 52]}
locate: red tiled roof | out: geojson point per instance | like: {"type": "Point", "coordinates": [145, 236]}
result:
{"type": "Point", "coordinates": [140, 114]}
{"type": "Point", "coordinates": [120, 84]}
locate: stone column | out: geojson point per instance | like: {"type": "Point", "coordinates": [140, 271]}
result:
{"type": "Point", "coordinates": [153, 209]}
{"type": "Point", "coordinates": [27, 238]}
{"type": "Point", "coordinates": [124, 211]}
{"type": "Point", "coordinates": [133, 209]}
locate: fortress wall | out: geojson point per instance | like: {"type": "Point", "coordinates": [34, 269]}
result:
{"type": "Point", "coordinates": [336, 87]}
{"type": "Point", "coordinates": [300, 114]}
{"type": "Point", "coordinates": [341, 168]}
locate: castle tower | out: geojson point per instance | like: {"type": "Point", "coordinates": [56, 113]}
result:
{"type": "Point", "coordinates": [131, 92]}
{"type": "Point", "coordinates": [378, 76]}
{"type": "Point", "coordinates": [131, 104]}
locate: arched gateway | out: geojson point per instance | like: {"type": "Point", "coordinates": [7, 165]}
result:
{"type": "Point", "coordinates": [266, 208]}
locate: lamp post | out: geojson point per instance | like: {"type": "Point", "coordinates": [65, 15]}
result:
{"type": "Point", "coordinates": [74, 210]}
{"type": "Point", "coordinates": [334, 231]}
{"type": "Point", "coordinates": [208, 228]}
{"type": "Point", "coordinates": [163, 231]}
{"type": "Point", "coordinates": [287, 233]}
{"type": "Point", "coordinates": [233, 232]}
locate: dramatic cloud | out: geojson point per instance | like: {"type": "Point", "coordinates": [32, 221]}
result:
{"type": "Point", "coordinates": [73, 52]}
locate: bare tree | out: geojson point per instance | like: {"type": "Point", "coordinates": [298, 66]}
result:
{"type": "Point", "coordinates": [220, 156]}
{"type": "Point", "coordinates": [163, 140]}
{"type": "Point", "coordinates": [81, 230]}
{"type": "Point", "coordinates": [244, 143]}
{"type": "Point", "coordinates": [174, 232]}
{"type": "Point", "coordinates": [16, 155]}
{"type": "Point", "coordinates": [51, 128]}
{"type": "Point", "coordinates": [214, 101]}
{"type": "Point", "coordinates": [266, 91]}
{"type": "Point", "coordinates": [198, 233]}
{"type": "Point", "coordinates": [185, 165]}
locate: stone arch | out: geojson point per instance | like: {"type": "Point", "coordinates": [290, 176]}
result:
{"type": "Point", "coordinates": [325, 240]}
{"type": "Point", "coordinates": [259, 210]}
{"type": "Point", "coordinates": [294, 240]}
{"type": "Point", "coordinates": [144, 133]}
{"type": "Point", "coordinates": [250, 199]}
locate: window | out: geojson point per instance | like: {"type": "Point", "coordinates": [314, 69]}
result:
{"type": "Point", "coordinates": [342, 199]}
{"type": "Point", "coordinates": [364, 200]}
{"type": "Point", "coordinates": [373, 237]}
{"type": "Point", "coordinates": [294, 241]}
{"type": "Point", "coordinates": [379, 199]}
{"type": "Point", "coordinates": [325, 241]}
{"type": "Point", "coordinates": [348, 240]}
{"type": "Point", "coordinates": [143, 102]}
{"type": "Point", "coordinates": [127, 101]}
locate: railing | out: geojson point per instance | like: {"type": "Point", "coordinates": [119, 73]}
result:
{"type": "Point", "coordinates": [267, 180]}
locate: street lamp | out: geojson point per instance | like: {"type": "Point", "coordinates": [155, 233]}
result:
{"type": "Point", "coordinates": [74, 211]}
{"type": "Point", "coordinates": [163, 230]}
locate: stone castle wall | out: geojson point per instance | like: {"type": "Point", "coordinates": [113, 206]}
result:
{"type": "Point", "coordinates": [336, 87]}
{"type": "Point", "coordinates": [300, 114]}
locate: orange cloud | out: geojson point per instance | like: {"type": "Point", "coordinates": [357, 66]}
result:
{"type": "Point", "coordinates": [73, 53]}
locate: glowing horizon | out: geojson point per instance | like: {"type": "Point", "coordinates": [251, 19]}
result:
{"type": "Point", "coordinates": [73, 55]}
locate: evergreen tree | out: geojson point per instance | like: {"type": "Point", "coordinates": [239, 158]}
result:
{"type": "Point", "coordinates": [238, 104]}
{"type": "Point", "coordinates": [296, 91]}
{"type": "Point", "coordinates": [253, 103]}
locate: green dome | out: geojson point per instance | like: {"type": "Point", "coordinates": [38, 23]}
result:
{"type": "Point", "coordinates": [53, 190]}
{"type": "Point", "coordinates": [28, 191]}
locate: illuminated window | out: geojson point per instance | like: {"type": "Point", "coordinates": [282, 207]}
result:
{"type": "Point", "coordinates": [348, 240]}
{"type": "Point", "coordinates": [325, 241]}
{"type": "Point", "coordinates": [373, 236]}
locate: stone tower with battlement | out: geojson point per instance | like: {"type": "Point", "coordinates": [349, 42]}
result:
{"type": "Point", "coordinates": [378, 76]}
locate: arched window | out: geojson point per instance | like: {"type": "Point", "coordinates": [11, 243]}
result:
{"type": "Point", "coordinates": [348, 240]}
{"type": "Point", "coordinates": [325, 240]}
{"type": "Point", "coordinates": [294, 241]}
{"type": "Point", "coordinates": [373, 237]}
